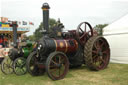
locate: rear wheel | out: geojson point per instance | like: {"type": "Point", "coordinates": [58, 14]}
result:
{"type": "Point", "coordinates": [19, 66]}
{"type": "Point", "coordinates": [97, 53]}
{"type": "Point", "coordinates": [7, 66]}
{"type": "Point", "coordinates": [57, 65]}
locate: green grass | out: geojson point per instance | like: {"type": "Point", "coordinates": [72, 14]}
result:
{"type": "Point", "coordinates": [115, 74]}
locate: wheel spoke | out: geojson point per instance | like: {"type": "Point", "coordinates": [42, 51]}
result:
{"type": "Point", "coordinates": [102, 44]}
{"type": "Point", "coordinates": [94, 51]}
{"type": "Point", "coordinates": [59, 71]}
{"type": "Point", "coordinates": [83, 36]}
{"type": "Point", "coordinates": [81, 30]}
{"type": "Point", "coordinates": [59, 60]}
{"type": "Point", "coordinates": [23, 62]}
{"type": "Point", "coordinates": [102, 60]}
{"type": "Point", "coordinates": [8, 61]}
{"type": "Point", "coordinates": [106, 51]}
{"type": "Point", "coordinates": [53, 70]}
{"type": "Point", "coordinates": [98, 44]}
{"type": "Point", "coordinates": [54, 62]}
{"type": "Point", "coordinates": [85, 28]}
{"type": "Point", "coordinates": [23, 70]}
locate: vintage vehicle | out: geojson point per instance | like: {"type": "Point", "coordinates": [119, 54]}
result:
{"type": "Point", "coordinates": [55, 54]}
{"type": "Point", "coordinates": [16, 59]}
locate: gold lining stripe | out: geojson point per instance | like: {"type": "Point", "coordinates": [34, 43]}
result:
{"type": "Point", "coordinates": [66, 46]}
{"type": "Point", "coordinates": [44, 8]}
{"type": "Point", "coordinates": [56, 44]}
{"type": "Point", "coordinates": [76, 44]}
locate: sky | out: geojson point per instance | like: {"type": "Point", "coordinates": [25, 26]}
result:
{"type": "Point", "coordinates": [70, 12]}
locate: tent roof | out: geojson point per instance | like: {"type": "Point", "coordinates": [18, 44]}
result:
{"type": "Point", "coordinates": [118, 27]}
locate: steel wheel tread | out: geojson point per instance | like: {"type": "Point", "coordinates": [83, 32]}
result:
{"type": "Point", "coordinates": [88, 53]}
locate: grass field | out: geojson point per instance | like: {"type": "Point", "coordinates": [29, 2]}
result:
{"type": "Point", "coordinates": [115, 74]}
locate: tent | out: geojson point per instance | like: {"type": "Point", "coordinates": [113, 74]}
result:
{"type": "Point", "coordinates": [117, 37]}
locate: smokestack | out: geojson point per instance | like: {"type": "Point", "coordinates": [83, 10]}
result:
{"type": "Point", "coordinates": [14, 27]}
{"type": "Point", "coordinates": [45, 9]}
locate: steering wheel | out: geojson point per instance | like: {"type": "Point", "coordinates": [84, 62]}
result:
{"type": "Point", "coordinates": [82, 33]}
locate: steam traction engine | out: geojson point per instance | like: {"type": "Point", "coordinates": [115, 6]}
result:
{"type": "Point", "coordinates": [16, 59]}
{"type": "Point", "coordinates": [56, 54]}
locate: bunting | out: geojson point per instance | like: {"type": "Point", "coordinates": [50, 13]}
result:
{"type": "Point", "coordinates": [24, 23]}
{"type": "Point", "coordinates": [31, 23]}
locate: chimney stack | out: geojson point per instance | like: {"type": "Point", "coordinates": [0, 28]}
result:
{"type": "Point", "coordinates": [45, 9]}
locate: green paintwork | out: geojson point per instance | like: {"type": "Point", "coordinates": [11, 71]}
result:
{"type": "Point", "coordinates": [27, 49]}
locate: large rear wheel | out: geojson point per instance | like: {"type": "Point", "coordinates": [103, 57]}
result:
{"type": "Point", "coordinates": [97, 53]}
{"type": "Point", "coordinates": [57, 65]}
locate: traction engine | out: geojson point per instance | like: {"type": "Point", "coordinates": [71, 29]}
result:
{"type": "Point", "coordinates": [16, 59]}
{"type": "Point", "coordinates": [56, 54]}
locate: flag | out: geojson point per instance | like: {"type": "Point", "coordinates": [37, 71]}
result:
{"type": "Point", "coordinates": [0, 24]}
{"type": "Point", "coordinates": [19, 23]}
{"type": "Point", "coordinates": [9, 22]}
{"type": "Point", "coordinates": [24, 23]}
{"type": "Point", "coordinates": [3, 19]}
{"type": "Point", "coordinates": [31, 23]}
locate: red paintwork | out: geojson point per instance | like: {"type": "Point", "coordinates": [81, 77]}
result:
{"type": "Point", "coordinates": [65, 46]}
{"type": "Point", "coordinates": [41, 66]}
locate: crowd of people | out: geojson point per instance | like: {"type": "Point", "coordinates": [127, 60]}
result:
{"type": "Point", "coordinates": [4, 41]}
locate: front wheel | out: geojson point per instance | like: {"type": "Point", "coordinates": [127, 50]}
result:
{"type": "Point", "coordinates": [19, 66]}
{"type": "Point", "coordinates": [32, 65]}
{"type": "Point", "coordinates": [7, 66]}
{"type": "Point", "coordinates": [57, 65]}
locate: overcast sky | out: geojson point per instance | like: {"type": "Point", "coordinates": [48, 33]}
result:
{"type": "Point", "coordinates": [71, 12]}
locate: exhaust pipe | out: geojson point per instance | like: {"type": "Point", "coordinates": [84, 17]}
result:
{"type": "Point", "coordinates": [14, 27]}
{"type": "Point", "coordinates": [45, 9]}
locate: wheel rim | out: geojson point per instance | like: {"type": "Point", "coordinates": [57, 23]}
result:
{"type": "Point", "coordinates": [20, 66]}
{"type": "Point", "coordinates": [32, 64]}
{"type": "Point", "coordinates": [100, 53]}
{"type": "Point", "coordinates": [7, 66]}
{"type": "Point", "coordinates": [58, 66]}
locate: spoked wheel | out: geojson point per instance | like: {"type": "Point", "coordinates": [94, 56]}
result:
{"type": "Point", "coordinates": [7, 66]}
{"type": "Point", "coordinates": [32, 66]}
{"type": "Point", "coordinates": [97, 53]}
{"type": "Point", "coordinates": [19, 66]}
{"type": "Point", "coordinates": [57, 65]}
{"type": "Point", "coordinates": [84, 32]}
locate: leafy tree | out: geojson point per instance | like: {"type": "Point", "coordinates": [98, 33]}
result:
{"type": "Point", "coordinates": [31, 37]}
{"type": "Point", "coordinates": [99, 28]}
{"type": "Point", "coordinates": [38, 33]}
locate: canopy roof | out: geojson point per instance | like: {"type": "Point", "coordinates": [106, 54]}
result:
{"type": "Point", "coordinates": [118, 27]}
{"type": "Point", "coordinates": [9, 30]}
